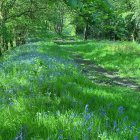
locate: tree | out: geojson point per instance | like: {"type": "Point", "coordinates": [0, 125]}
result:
{"type": "Point", "coordinates": [91, 12]}
{"type": "Point", "coordinates": [16, 19]}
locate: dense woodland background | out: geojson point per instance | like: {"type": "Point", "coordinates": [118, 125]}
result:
{"type": "Point", "coordinates": [98, 19]}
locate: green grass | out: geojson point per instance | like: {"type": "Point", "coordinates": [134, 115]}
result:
{"type": "Point", "coordinates": [123, 57]}
{"type": "Point", "coordinates": [43, 94]}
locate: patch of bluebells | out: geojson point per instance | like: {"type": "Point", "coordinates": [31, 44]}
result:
{"type": "Point", "coordinates": [86, 108]}
{"type": "Point", "coordinates": [102, 111]}
{"type": "Point", "coordinates": [131, 126]}
{"type": "Point", "coordinates": [52, 67]}
{"type": "Point", "coordinates": [136, 138]}
{"type": "Point", "coordinates": [60, 135]}
{"type": "Point", "coordinates": [88, 124]}
{"type": "Point", "coordinates": [117, 125]}
{"type": "Point", "coordinates": [87, 115]}
{"type": "Point", "coordinates": [31, 56]}
{"type": "Point", "coordinates": [22, 133]}
{"type": "Point", "coordinates": [114, 124]}
{"type": "Point", "coordinates": [84, 135]}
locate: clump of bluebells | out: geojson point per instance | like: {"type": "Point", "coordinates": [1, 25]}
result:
{"type": "Point", "coordinates": [89, 126]}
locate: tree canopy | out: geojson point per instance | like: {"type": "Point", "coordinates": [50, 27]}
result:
{"type": "Point", "coordinates": [99, 19]}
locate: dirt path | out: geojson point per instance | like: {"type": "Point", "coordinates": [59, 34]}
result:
{"type": "Point", "coordinates": [102, 76]}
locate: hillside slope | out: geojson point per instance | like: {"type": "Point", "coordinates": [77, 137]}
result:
{"type": "Point", "coordinates": [44, 93]}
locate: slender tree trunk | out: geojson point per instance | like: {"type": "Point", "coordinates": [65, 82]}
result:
{"type": "Point", "coordinates": [17, 41]}
{"type": "Point", "coordinates": [86, 32]}
{"type": "Point", "coordinates": [134, 34]}
{"type": "Point", "coordinates": [6, 45]}
{"type": "Point", "coordinates": [0, 51]}
{"type": "Point", "coordinates": [11, 43]}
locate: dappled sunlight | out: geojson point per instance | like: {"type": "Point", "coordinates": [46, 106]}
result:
{"type": "Point", "coordinates": [109, 55]}
{"type": "Point", "coordinates": [51, 97]}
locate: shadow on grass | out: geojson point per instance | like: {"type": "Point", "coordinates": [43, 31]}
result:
{"type": "Point", "coordinates": [112, 61]}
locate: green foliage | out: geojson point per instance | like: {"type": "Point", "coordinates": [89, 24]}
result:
{"type": "Point", "coordinates": [100, 19]}
{"type": "Point", "coordinates": [117, 20]}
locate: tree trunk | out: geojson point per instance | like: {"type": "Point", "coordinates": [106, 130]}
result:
{"type": "Point", "coordinates": [6, 45]}
{"type": "Point", "coordinates": [134, 35]}
{"type": "Point", "coordinates": [11, 43]}
{"type": "Point", "coordinates": [17, 41]}
{"type": "Point", "coordinates": [0, 51]}
{"type": "Point", "coordinates": [86, 32]}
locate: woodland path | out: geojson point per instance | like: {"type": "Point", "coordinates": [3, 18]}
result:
{"type": "Point", "coordinates": [102, 76]}
{"type": "Point", "coordinates": [98, 74]}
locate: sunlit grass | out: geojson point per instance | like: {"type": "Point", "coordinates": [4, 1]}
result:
{"type": "Point", "coordinates": [123, 57]}
{"type": "Point", "coordinates": [44, 95]}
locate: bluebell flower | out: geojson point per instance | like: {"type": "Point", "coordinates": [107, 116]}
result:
{"type": "Point", "coordinates": [136, 138]}
{"type": "Point", "coordinates": [130, 128]}
{"type": "Point", "coordinates": [83, 135]}
{"type": "Point", "coordinates": [89, 129]}
{"type": "Point", "coordinates": [86, 108]}
{"type": "Point", "coordinates": [115, 124]}
{"type": "Point", "coordinates": [60, 137]}
{"type": "Point", "coordinates": [91, 123]}
{"type": "Point", "coordinates": [103, 113]}
{"type": "Point", "coordinates": [125, 128]}
{"type": "Point", "coordinates": [118, 130]}
{"type": "Point", "coordinates": [11, 103]}
{"type": "Point", "coordinates": [133, 124]}
{"type": "Point", "coordinates": [120, 110]}
{"type": "Point", "coordinates": [110, 105]}
{"type": "Point", "coordinates": [124, 119]}
{"type": "Point", "coordinates": [87, 116]}
{"type": "Point", "coordinates": [61, 131]}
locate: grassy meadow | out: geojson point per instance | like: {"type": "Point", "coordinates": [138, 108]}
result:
{"type": "Point", "coordinates": [44, 95]}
